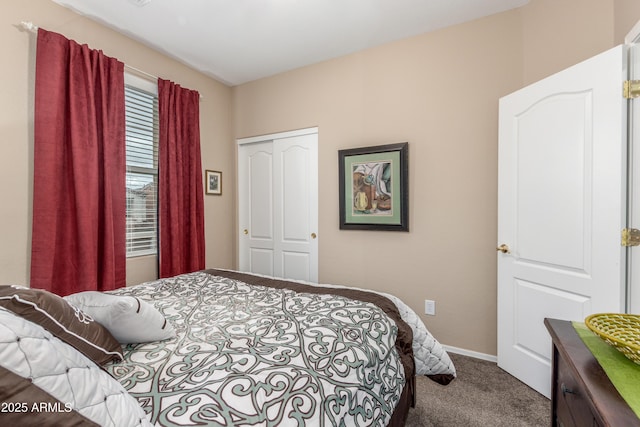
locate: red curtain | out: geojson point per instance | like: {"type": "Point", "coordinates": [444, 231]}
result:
{"type": "Point", "coordinates": [180, 191]}
{"type": "Point", "coordinates": [78, 238]}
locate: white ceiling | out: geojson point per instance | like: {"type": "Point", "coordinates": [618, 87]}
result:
{"type": "Point", "coordinates": [237, 41]}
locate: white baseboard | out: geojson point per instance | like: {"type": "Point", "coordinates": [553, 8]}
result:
{"type": "Point", "coordinates": [471, 353]}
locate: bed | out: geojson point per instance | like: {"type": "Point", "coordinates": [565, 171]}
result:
{"type": "Point", "coordinates": [225, 348]}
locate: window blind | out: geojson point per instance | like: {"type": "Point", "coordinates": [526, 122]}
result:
{"type": "Point", "coordinates": [141, 117]}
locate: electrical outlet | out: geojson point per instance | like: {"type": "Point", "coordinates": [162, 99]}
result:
{"type": "Point", "coordinates": [430, 307]}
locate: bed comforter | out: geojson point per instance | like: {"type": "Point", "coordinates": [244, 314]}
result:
{"type": "Point", "coordinates": [254, 351]}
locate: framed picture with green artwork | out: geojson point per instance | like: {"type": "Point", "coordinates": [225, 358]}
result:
{"type": "Point", "coordinates": [373, 187]}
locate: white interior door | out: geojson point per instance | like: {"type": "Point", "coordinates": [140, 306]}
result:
{"type": "Point", "coordinates": [561, 208]}
{"type": "Point", "coordinates": [278, 205]}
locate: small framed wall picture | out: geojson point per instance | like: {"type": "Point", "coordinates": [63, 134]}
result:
{"type": "Point", "coordinates": [213, 182]}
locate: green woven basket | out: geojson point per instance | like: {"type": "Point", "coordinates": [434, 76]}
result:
{"type": "Point", "coordinates": [622, 331]}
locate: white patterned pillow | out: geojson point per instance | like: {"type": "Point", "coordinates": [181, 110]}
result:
{"type": "Point", "coordinates": [44, 381]}
{"type": "Point", "coordinates": [129, 319]}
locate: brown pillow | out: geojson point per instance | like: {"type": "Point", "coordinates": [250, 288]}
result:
{"type": "Point", "coordinates": [64, 321]}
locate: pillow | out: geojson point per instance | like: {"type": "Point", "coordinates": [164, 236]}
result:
{"type": "Point", "coordinates": [64, 321]}
{"type": "Point", "coordinates": [129, 319]}
{"type": "Point", "coordinates": [46, 382]}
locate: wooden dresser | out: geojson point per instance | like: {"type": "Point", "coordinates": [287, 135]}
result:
{"type": "Point", "coordinates": [582, 395]}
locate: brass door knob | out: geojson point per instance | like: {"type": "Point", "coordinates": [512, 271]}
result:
{"type": "Point", "coordinates": [313, 235]}
{"type": "Point", "coordinates": [504, 249]}
{"type": "Point", "coordinates": [246, 231]}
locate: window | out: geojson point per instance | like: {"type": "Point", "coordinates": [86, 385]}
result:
{"type": "Point", "coordinates": [141, 115]}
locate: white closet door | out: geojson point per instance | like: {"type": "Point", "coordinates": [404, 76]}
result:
{"type": "Point", "coordinates": [255, 172]}
{"type": "Point", "coordinates": [278, 205]}
{"type": "Point", "coordinates": [296, 207]}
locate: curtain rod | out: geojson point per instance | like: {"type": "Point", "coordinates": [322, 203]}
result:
{"type": "Point", "coordinates": [31, 28]}
{"type": "Point", "coordinates": [27, 26]}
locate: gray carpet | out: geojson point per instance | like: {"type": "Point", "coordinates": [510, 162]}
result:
{"type": "Point", "coordinates": [481, 395]}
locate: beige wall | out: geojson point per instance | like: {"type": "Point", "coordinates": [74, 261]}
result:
{"type": "Point", "coordinates": [561, 33]}
{"type": "Point", "coordinates": [626, 14]}
{"type": "Point", "coordinates": [16, 135]}
{"type": "Point", "coordinates": [440, 93]}
{"type": "Point", "coordinates": [558, 34]}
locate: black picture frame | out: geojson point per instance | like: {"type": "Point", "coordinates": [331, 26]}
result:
{"type": "Point", "coordinates": [374, 187]}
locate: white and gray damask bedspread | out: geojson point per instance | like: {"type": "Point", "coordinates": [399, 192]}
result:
{"type": "Point", "coordinates": [248, 355]}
